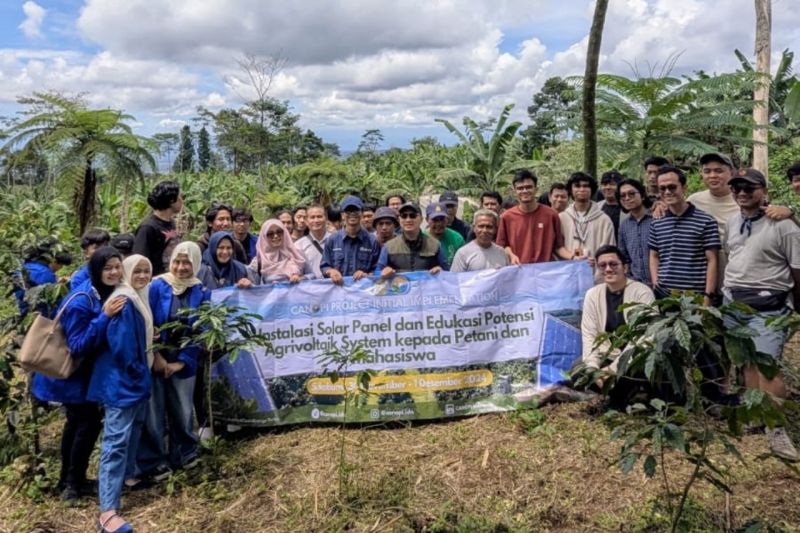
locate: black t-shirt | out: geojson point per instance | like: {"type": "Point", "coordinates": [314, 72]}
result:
{"type": "Point", "coordinates": [461, 227]}
{"type": "Point", "coordinates": [613, 211]}
{"type": "Point", "coordinates": [614, 317]}
{"type": "Point", "coordinates": [155, 239]}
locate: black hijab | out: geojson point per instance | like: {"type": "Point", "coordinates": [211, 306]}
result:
{"type": "Point", "coordinates": [96, 263]}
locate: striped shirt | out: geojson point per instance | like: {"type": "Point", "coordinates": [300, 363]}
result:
{"type": "Point", "coordinates": [634, 239]}
{"type": "Point", "coordinates": [681, 242]}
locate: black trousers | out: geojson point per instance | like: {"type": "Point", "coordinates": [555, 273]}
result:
{"type": "Point", "coordinates": [84, 421]}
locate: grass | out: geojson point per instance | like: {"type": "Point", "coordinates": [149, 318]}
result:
{"type": "Point", "coordinates": [547, 470]}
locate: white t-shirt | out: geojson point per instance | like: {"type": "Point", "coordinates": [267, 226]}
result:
{"type": "Point", "coordinates": [472, 256]}
{"type": "Point", "coordinates": [312, 254]}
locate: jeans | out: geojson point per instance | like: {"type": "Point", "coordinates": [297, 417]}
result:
{"type": "Point", "coordinates": [169, 413]}
{"type": "Point", "coordinates": [77, 442]}
{"type": "Point", "coordinates": [116, 448]}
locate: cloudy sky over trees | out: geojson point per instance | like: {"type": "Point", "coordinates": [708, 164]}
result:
{"type": "Point", "coordinates": [357, 64]}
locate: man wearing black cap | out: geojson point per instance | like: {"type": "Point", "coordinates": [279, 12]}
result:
{"type": "Point", "coordinates": [385, 224]}
{"type": "Point", "coordinates": [351, 251]}
{"type": "Point", "coordinates": [450, 199]}
{"type": "Point", "coordinates": [763, 272]}
{"type": "Point", "coordinates": [412, 250]}
{"type": "Point", "coordinates": [123, 242]}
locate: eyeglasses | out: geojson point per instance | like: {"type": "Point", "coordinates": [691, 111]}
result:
{"type": "Point", "coordinates": [628, 194]}
{"type": "Point", "coordinates": [671, 187]}
{"type": "Point", "coordinates": [524, 188]}
{"type": "Point", "coordinates": [407, 215]}
{"type": "Point", "coordinates": [613, 265]}
{"type": "Point", "coordinates": [747, 189]}
{"type": "Point", "coordinates": [352, 212]}
{"type": "Point", "coordinates": [274, 234]}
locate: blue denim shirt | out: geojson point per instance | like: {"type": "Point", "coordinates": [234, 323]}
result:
{"type": "Point", "coordinates": [349, 255]}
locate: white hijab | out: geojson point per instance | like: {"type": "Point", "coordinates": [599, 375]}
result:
{"type": "Point", "coordinates": [140, 298]}
{"type": "Point", "coordinates": [191, 251]}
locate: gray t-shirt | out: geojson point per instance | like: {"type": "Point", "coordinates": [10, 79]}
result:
{"type": "Point", "coordinates": [472, 257]}
{"type": "Point", "coordinates": [312, 254]}
{"type": "Point", "coordinates": [763, 259]}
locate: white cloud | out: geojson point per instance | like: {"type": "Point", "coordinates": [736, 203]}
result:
{"type": "Point", "coordinates": [34, 16]}
{"type": "Point", "coordinates": [361, 63]}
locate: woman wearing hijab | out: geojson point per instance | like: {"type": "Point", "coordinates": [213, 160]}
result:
{"type": "Point", "coordinates": [174, 369]}
{"type": "Point", "coordinates": [88, 309]}
{"type": "Point", "coordinates": [277, 259]}
{"type": "Point", "coordinates": [220, 268]}
{"type": "Point", "coordinates": [121, 384]}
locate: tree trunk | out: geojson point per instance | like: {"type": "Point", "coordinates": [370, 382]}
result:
{"type": "Point", "coordinates": [86, 197]}
{"type": "Point", "coordinates": [761, 93]}
{"type": "Point", "coordinates": [589, 86]}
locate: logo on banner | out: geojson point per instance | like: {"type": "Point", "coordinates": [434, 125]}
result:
{"type": "Point", "coordinates": [394, 287]}
{"type": "Point", "coordinates": [315, 413]}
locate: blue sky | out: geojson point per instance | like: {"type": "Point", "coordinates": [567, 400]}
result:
{"type": "Point", "coordinates": [352, 65]}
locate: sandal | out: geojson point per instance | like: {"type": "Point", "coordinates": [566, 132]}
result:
{"type": "Point", "coordinates": [124, 528]}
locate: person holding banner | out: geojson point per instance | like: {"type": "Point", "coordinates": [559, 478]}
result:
{"type": "Point", "coordinates": [277, 259]}
{"type": "Point", "coordinates": [174, 369]}
{"type": "Point", "coordinates": [219, 268]}
{"type": "Point", "coordinates": [351, 251]}
{"type": "Point", "coordinates": [412, 250]}
{"type": "Point", "coordinates": [482, 253]}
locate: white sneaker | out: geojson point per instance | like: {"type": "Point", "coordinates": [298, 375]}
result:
{"type": "Point", "coordinates": [781, 444]}
{"type": "Point", "coordinates": [205, 433]}
{"type": "Point", "coordinates": [233, 428]}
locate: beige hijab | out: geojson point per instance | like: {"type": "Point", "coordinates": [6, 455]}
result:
{"type": "Point", "coordinates": [140, 298]}
{"type": "Point", "coordinates": [192, 251]}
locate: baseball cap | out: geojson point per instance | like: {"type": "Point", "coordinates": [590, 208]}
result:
{"type": "Point", "coordinates": [437, 210]}
{"type": "Point", "coordinates": [385, 212]}
{"type": "Point", "coordinates": [449, 198]}
{"type": "Point", "coordinates": [750, 176]}
{"type": "Point", "coordinates": [123, 242]}
{"type": "Point", "coordinates": [718, 157]}
{"type": "Point", "coordinates": [410, 206]}
{"type": "Point", "coordinates": [351, 201]}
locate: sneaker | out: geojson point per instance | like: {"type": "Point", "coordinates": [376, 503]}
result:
{"type": "Point", "coordinates": [161, 473]}
{"type": "Point", "coordinates": [205, 433]}
{"type": "Point", "coordinates": [781, 444]}
{"type": "Point", "coordinates": [191, 463]}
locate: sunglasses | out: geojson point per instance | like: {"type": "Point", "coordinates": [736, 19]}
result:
{"type": "Point", "coordinates": [671, 187]}
{"type": "Point", "coordinates": [613, 265]}
{"type": "Point", "coordinates": [407, 215]}
{"type": "Point", "coordinates": [744, 188]}
{"type": "Point", "coordinates": [629, 194]}
{"type": "Point", "coordinates": [274, 234]}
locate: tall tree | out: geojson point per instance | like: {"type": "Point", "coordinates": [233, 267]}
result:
{"type": "Point", "coordinates": [589, 86]}
{"type": "Point", "coordinates": [83, 141]}
{"type": "Point", "coordinates": [203, 149]}
{"type": "Point", "coordinates": [167, 142]}
{"type": "Point", "coordinates": [185, 160]}
{"type": "Point", "coordinates": [554, 107]}
{"type": "Point", "coordinates": [761, 93]}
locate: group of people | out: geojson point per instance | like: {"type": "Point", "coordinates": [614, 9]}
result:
{"type": "Point", "coordinates": [643, 239]}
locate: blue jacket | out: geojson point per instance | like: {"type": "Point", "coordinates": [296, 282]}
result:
{"type": "Point", "coordinates": [161, 303]}
{"type": "Point", "coordinates": [84, 325]}
{"type": "Point", "coordinates": [121, 376]}
{"type": "Point", "coordinates": [32, 275]}
{"type": "Point", "coordinates": [79, 277]}
{"type": "Point", "coordinates": [349, 255]}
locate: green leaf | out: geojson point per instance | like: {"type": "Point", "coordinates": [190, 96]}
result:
{"type": "Point", "coordinates": [673, 436]}
{"type": "Point", "coordinates": [650, 466]}
{"type": "Point", "coordinates": [628, 462]}
{"type": "Point", "coordinates": [682, 335]}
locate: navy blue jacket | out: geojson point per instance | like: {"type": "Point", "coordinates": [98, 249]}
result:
{"type": "Point", "coordinates": [121, 376]}
{"type": "Point", "coordinates": [84, 325]}
{"type": "Point", "coordinates": [32, 275]}
{"type": "Point", "coordinates": [160, 303]}
{"type": "Point", "coordinates": [348, 255]}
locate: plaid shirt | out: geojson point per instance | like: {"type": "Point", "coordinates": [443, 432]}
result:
{"type": "Point", "coordinates": [633, 242]}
